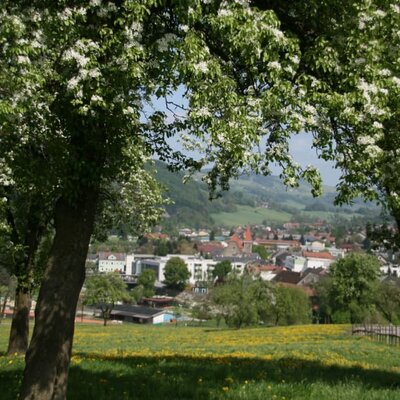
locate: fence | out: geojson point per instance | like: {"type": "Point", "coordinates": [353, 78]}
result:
{"type": "Point", "coordinates": [389, 334]}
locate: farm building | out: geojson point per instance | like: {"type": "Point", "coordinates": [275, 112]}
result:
{"type": "Point", "coordinates": [141, 315]}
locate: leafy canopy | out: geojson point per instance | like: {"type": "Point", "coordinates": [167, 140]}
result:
{"type": "Point", "coordinates": [176, 273]}
{"type": "Point", "coordinates": [104, 290]}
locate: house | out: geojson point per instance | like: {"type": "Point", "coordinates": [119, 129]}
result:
{"type": "Point", "coordinates": [236, 245]}
{"type": "Point", "coordinates": [311, 276]}
{"type": "Point", "coordinates": [266, 272]}
{"type": "Point", "coordinates": [287, 278]}
{"type": "Point", "coordinates": [110, 262]}
{"type": "Point", "coordinates": [315, 260]}
{"type": "Point", "coordinates": [210, 249]}
{"type": "Point", "coordinates": [141, 315]}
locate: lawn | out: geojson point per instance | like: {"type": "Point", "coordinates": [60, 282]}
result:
{"type": "Point", "coordinates": [245, 215]}
{"type": "Point", "coordinates": [167, 362]}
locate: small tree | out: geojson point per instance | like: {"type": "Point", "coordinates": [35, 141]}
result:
{"type": "Point", "coordinates": [147, 279]}
{"type": "Point", "coordinates": [290, 306]}
{"type": "Point", "coordinates": [241, 299]}
{"type": "Point", "coordinates": [221, 270]}
{"type": "Point", "coordinates": [104, 291]}
{"type": "Point", "coordinates": [388, 301]}
{"type": "Point", "coordinates": [261, 251]}
{"type": "Point", "coordinates": [176, 273]}
{"type": "Point", "coordinates": [349, 294]}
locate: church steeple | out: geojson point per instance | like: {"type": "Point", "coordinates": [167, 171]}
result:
{"type": "Point", "coordinates": [247, 241]}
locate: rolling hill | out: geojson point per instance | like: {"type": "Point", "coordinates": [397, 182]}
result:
{"type": "Point", "coordinates": [252, 199]}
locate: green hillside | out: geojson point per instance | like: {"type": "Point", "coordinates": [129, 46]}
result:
{"type": "Point", "coordinates": [252, 199]}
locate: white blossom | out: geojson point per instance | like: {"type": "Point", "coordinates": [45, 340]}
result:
{"type": "Point", "coordinates": [395, 8]}
{"type": "Point", "coordinates": [93, 73]}
{"type": "Point", "coordinates": [203, 112]}
{"type": "Point", "coordinates": [385, 72]}
{"type": "Point", "coordinates": [96, 99]}
{"type": "Point", "coordinates": [366, 140]}
{"type": "Point", "coordinates": [223, 12]}
{"type": "Point", "coordinates": [377, 125]}
{"type": "Point", "coordinates": [23, 60]}
{"type": "Point", "coordinates": [274, 65]}
{"type": "Point", "coordinates": [295, 59]}
{"type": "Point", "coordinates": [73, 83]}
{"type": "Point", "coordinates": [380, 13]}
{"type": "Point", "coordinates": [129, 110]}
{"type": "Point", "coordinates": [278, 34]}
{"type": "Point", "coordinates": [72, 54]}
{"type": "Point", "coordinates": [396, 80]}
{"type": "Point", "coordinates": [202, 66]}
{"type": "Point", "coordinates": [164, 44]}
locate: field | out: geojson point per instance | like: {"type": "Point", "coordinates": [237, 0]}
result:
{"type": "Point", "coordinates": [167, 362]}
{"type": "Point", "coordinates": [245, 215]}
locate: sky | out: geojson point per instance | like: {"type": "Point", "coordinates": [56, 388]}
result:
{"type": "Point", "coordinates": [303, 153]}
{"type": "Point", "coordinates": [300, 145]}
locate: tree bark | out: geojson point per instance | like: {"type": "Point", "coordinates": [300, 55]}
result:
{"type": "Point", "coordinates": [19, 333]}
{"type": "Point", "coordinates": [24, 269]}
{"type": "Point", "coordinates": [49, 353]}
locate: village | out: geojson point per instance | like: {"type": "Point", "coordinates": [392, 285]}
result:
{"type": "Point", "coordinates": [279, 256]}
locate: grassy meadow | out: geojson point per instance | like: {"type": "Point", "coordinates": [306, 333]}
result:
{"type": "Point", "coordinates": [167, 362]}
{"type": "Point", "coordinates": [245, 215]}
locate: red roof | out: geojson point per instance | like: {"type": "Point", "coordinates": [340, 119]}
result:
{"type": "Point", "coordinates": [247, 235]}
{"type": "Point", "coordinates": [324, 255]}
{"type": "Point", "coordinates": [236, 239]}
{"type": "Point", "coordinates": [209, 247]}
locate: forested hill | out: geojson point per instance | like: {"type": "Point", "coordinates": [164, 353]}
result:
{"type": "Point", "coordinates": [251, 199]}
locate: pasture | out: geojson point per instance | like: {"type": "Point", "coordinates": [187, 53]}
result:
{"type": "Point", "coordinates": [166, 362]}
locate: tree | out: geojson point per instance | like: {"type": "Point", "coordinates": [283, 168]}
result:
{"type": "Point", "coordinates": [388, 301]}
{"type": "Point", "coordinates": [352, 287]}
{"type": "Point", "coordinates": [242, 299]}
{"type": "Point", "coordinates": [147, 279]}
{"type": "Point", "coordinates": [25, 224]}
{"type": "Point", "coordinates": [221, 270]}
{"type": "Point", "coordinates": [201, 312]}
{"type": "Point", "coordinates": [76, 82]}
{"type": "Point", "coordinates": [212, 235]}
{"type": "Point", "coordinates": [176, 273]}
{"type": "Point", "coordinates": [104, 291]}
{"type": "Point", "coordinates": [289, 306]}
{"type": "Point", "coordinates": [261, 251]}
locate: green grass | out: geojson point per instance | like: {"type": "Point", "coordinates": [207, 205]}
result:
{"type": "Point", "coordinates": [245, 215]}
{"type": "Point", "coordinates": [167, 362]}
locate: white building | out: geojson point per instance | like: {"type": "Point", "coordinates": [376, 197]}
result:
{"type": "Point", "coordinates": [296, 263]}
{"type": "Point", "coordinates": [110, 262]}
{"type": "Point", "coordinates": [200, 268]}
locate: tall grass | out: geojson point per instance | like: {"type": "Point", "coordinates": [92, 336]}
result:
{"type": "Point", "coordinates": [167, 362]}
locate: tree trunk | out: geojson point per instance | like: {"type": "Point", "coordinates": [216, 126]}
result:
{"type": "Point", "coordinates": [19, 333]}
{"type": "Point", "coordinates": [35, 228]}
{"type": "Point", "coordinates": [48, 356]}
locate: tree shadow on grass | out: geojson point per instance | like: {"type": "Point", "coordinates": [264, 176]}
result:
{"type": "Point", "coordinates": [178, 377]}
{"type": "Point", "coordinates": [203, 378]}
